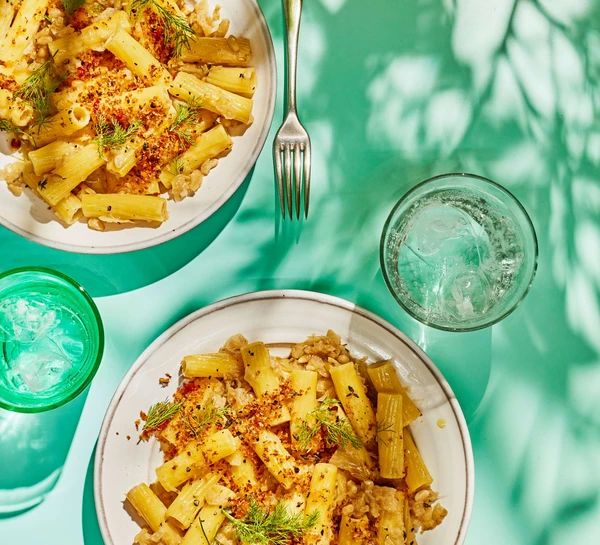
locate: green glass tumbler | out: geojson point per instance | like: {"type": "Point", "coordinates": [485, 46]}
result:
{"type": "Point", "coordinates": [458, 252]}
{"type": "Point", "coordinates": [51, 339]}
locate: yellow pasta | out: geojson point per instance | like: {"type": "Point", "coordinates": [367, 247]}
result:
{"type": "Point", "coordinates": [189, 501]}
{"type": "Point", "coordinates": [205, 527]}
{"type": "Point", "coordinates": [251, 482]}
{"type": "Point", "coordinates": [385, 379]}
{"type": "Point", "coordinates": [148, 506]}
{"type": "Point", "coordinates": [137, 58]}
{"type": "Point", "coordinates": [276, 458]}
{"type": "Point", "coordinates": [208, 145]}
{"type": "Point", "coordinates": [121, 206]}
{"type": "Point", "coordinates": [50, 156]}
{"type": "Point", "coordinates": [237, 80]}
{"type": "Point", "coordinates": [351, 392]}
{"type": "Point", "coordinates": [417, 474]}
{"type": "Point", "coordinates": [74, 169]}
{"type": "Point", "coordinates": [219, 365]}
{"type": "Point", "coordinates": [191, 89]}
{"type": "Point", "coordinates": [69, 209]}
{"type": "Point", "coordinates": [103, 93]}
{"type": "Point", "coordinates": [227, 51]}
{"type": "Point", "coordinates": [90, 37]}
{"type": "Point", "coordinates": [304, 384]}
{"type": "Point", "coordinates": [219, 445]}
{"type": "Point", "coordinates": [23, 28]}
{"type": "Point", "coordinates": [183, 467]}
{"type": "Point", "coordinates": [64, 123]}
{"type": "Point", "coordinates": [390, 435]}
{"type": "Point", "coordinates": [320, 500]}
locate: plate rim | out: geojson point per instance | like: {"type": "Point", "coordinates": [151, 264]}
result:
{"type": "Point", "coordinates": [305, 295]}
{"type": "Point", "coordinates": [200, 218]}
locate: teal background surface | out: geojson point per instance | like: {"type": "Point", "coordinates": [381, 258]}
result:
{"type": "Point", "coordinates": [394, 92]}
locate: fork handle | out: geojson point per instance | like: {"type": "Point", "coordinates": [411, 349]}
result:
{"type": "Point", "coordinates": [292, 10]}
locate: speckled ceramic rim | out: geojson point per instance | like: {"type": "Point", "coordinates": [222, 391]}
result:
{"type": "Point", "coordinates": [318, 298]}
{"type": "Point", "coordinates": [98, 321]}
{"type": "Point", "coordinates": [188, 226]}
{"type": "Point", "coordinates": [405, 198]}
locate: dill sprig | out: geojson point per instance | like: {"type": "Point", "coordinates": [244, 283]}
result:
{"type": "Point", "coordinates": [113, 135]}
{"type": "Point", "coordinates": [72, 5]}
{"type": "Point", "coordinates": [338, 431]}
{"type": "Point", "coordinates": [160, 412]}
{"type": "Point", "coordinates": [199, 421]}
{"type": "Point", "coordinates": [8, 126]}
{"type": "Point", "coordinates": [183, 114]}
{"type": "Point", "coordinates": [260, 527]}
{"type": "Point", "coordinates": [38, 87]}
{"type": "Point", "coordinates": [178, 31]}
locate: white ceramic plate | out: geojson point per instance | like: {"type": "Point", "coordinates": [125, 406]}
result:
{"type": "Point", "coordinates": [281, 316]}
{"type": "Point", "coordinates": [29, 217]}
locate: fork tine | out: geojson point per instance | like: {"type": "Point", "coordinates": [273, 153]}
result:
{"type": "Point", "coordinates": [287, 160]}
{"type": "Point", "coordinates": [306, 177]}
{"type": "Point", "coordinates": [279, 174]}
{"type": "Point", "coordinates": [297, 177]}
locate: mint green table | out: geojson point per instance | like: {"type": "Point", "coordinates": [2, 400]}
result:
{"type": "Point", "coordinates": [393, 92]}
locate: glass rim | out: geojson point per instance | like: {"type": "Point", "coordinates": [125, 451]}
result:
{"type": "Point", "coordinates": [93, 369]}
{"type": "Point", "coordinates": [402, 200]}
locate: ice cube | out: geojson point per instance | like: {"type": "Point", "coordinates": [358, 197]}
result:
{"type": "Point", "coordinates": [39, 367]}
{"type": "Point", "coordinates": [26, 321]}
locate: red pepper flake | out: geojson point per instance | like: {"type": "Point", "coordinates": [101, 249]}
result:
{"type": "Point", "coordinates": [15, 143]}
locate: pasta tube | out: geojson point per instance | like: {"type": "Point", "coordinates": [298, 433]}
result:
{"type": "Point", "coordinates": [320, 499]}
{"type": "Point", "coordinates": [23, 29]}
{"type": "Point", "coordinates": [183, 467]}
{"type": "Point", "coordinates": [50, 156]}
{"type": "Point", "coordinates": [243, 471]}
{"type": "Point", "coordinates": [389, 436]}
{"type": "Point", "coordinates": [236, 80]}
{"type": "Point", "coordinates": [188, 502]}
{"type": "Point", "coordinates": [219, 365]}
{"type": "Point", "coordinates": [68, 210]}
{"type": "Point", "coordinates": [304, 384]}
{"type": "Point", "coordinates": [351, 392]}
{"type": "Point", "coordinates": [121, 206]}
{"type": "Point", "coordinates": [90, 37]}
{"type": "Point", "coordinates": [136, 57]}
{"type": "Point", "coordinates": [417, 474]}
{"type": "Point", "coordinates": [219, 445]}
{"type": "Point", "coordinates": [205, 526]}
{"type": "Point", "coordinates": [75, 168]}
{"type": "Point", "coordinates": [64, 123]}
{"type": "Point", "coordinates": [229, 51]}
{"type": "Point", "coordinates": [148, 506]}
{"type": "Point", "coordinates": [385, 379]}
{"type": "Point", "coordinates": [191, 89]}
{"type": "Point", "coordinates": [259, 372]}
{"type": "Point", "coordinates": [276, 458]}
{"type": "Point", "coordinates": [210, 144]}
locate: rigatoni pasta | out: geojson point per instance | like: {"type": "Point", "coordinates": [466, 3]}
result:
{"type": "Point", "coordinates": [237, 474]}
{"type": "Point", "coordinates": [115, 80]}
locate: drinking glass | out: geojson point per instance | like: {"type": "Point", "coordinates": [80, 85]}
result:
{"type": "Point", "coordinates": [51, 339]}
{"type": "Point", "coordinates": [458, 252]}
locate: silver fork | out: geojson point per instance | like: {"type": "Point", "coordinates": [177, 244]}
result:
{"type": "Point", "coordinates": [291, 148]}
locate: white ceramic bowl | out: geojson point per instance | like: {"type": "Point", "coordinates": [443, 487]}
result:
{"type": "Point", "coordinates": [281, 317]}
{"type": "Point", "coordinates": [28, 216]}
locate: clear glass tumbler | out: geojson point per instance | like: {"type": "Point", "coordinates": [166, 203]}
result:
{"type": "Point", "coordinates": [51, 344]}
{"type": "Point", "coordinates": [458, 252]}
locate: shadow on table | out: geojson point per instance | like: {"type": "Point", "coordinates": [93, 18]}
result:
{"type": "Point", "coordinates": [89, 520]}
{"type": "Point", "coordinates": [33, 449]}
{"type": "Point", "coordinates": [112, 274]}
